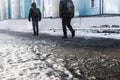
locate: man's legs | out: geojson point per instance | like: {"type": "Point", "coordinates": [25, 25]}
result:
{"type": "Point", "coordinates": [33, 24]}
{"type": "Point", "coordinates": [64, 28]}
{"type": "Point", "coordinates": [70, 27]}
{"type": "Point", "coordinates": [37, 28]}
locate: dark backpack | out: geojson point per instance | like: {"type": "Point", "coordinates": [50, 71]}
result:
{"type": "Point", "coordinates": [35, 12]}
{"type": "Point", "coordinates": [70, 8]}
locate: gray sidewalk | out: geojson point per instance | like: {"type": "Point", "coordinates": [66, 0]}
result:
{"type": "Point", "coordinates": [104, 27]}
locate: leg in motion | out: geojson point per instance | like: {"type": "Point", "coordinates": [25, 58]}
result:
{"type": "Point", "coordinates": [37, 28]}
{"type": "Point", "coordinates": [64, 28]}
{"type": "Point", "coordinates": [34, 30]}
{"type": "Point", "coordinates": [70, 27]}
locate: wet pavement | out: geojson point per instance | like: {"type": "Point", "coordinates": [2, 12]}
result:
{"type": "Point", "coordinates": [46, 57]}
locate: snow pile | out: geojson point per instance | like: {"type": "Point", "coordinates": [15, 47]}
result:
{"type": "Point", "coordinates": [86, 32]}
{"type": "Point", "coordinates": [24, 59]}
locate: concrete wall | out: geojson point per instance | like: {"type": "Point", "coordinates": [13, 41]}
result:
{"type": "Point", "coordinates": [112, 6]}
{"type": "Point", "coordinates": [8, 9]}
{"type": "Point", "coordinates": [55, 8]}
{"type": "Point", "coordinates": [79, 7]}
{"type": "Point", "coordinates": [2, 10]}
{"type": "Point", "coordinates": [92, 10]}
{"type": "Point", "coordinates": [15, 9]}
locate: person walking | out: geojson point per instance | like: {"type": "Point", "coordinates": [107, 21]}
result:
{"type": "Point", "coordinates": [35, 16]}
{"type": "Point", "coordinates": [66, 13]}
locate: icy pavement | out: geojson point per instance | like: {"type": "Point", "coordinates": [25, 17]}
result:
{"type": "Point", "coordinates": [111, 33]}
{"type": "Point", "coordinates": [24, 59]}
{"type": "Point", "coordinates": [46, 57]}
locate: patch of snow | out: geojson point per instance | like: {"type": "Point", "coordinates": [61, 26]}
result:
{"type": "Point", "coordinates": [26, 60]}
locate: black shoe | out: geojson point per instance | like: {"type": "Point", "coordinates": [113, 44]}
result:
{"type": "Point", "coordinates": [73, 34]}
{"type": "Point", "coordinates": [37, 34]}
{"type": "Point", "coordinates": [64, 37]}
{"type": "Point", "coordinates": [34, 34]}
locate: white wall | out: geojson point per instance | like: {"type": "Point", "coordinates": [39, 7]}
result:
{"type": "Point", "coordinates": [55, 8]}
{"type": "Point", "coordinates": [112, 6]}
{"type": "Point", "coordinates": [15, 9]}
{"type": "Point", "coordinates": [2, 10]}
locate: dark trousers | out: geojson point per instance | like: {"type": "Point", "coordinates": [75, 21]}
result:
{"type": "Point", "coordinates": [66, 22]}
{"type": "Point", "coordinates": [35, 27]}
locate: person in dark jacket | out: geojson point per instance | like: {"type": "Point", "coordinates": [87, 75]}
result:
{"type": "Point", "coordinates": [66, 18]}
{"type": "Point", "coordinates": [35, 16]}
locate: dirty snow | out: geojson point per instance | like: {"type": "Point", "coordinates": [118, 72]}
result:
{"type": "Point", "coordinates": [22, 59]}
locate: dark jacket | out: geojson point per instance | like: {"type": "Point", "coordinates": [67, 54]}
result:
{"type": "Point", "coordinates": [63, 9]}
{"type": "Point", "coordinates": [31, 13]}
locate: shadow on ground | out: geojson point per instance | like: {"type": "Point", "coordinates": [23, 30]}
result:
{"type": "Point", "coordinates": [70, 42]}
{"type": "Point", "coordinates": [86, 58]}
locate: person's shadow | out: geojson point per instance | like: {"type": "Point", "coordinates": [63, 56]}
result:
{"type": "Point", "coordinates": [77, 42]}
